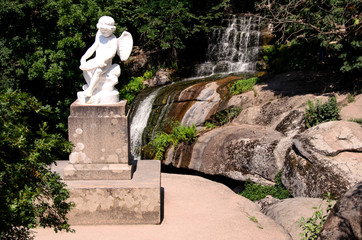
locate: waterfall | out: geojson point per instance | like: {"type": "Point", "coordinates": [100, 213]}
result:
{"type": "Point", "coordinates": [139, 122]}
{"type": "Point", "coordinates": [150, 108]}
{"type": "Point", "coordinates": [233, 47]}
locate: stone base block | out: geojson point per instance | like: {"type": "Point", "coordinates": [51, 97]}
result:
{"type": "Point", "coordinates": [106, 202]}
{"type": "Point", "coordinates": [97, 172]}
{"type": "Point", "coordinates": [100, 133]}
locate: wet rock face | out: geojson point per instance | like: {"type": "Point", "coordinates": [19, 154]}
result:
{"type": "Point", "coordinates": [206, 104]}
{"type": "Point", "coordinates": [345, 218]}
{"type": "Point", "coordinates": [325, 158]}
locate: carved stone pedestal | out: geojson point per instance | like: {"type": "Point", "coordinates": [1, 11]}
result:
{"type": "Point", "coordinates": [105, 184]}
{"type": "Point", "coordinates": [100, 135]}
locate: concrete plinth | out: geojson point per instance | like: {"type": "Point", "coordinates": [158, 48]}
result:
{"type": "Point", "coordinates": [100, 135]}
{"type": "Point", "coordinates": [105, 185]}
{"type": "Point", "coordinates": [103, 202]}
{"type": "Point", "coordinates": [98, 171]}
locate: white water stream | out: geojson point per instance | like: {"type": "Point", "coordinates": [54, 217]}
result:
{"type": "Point", "coordinates": [139, 122]}
{"type": "Point", "coordinates": [232, 48]}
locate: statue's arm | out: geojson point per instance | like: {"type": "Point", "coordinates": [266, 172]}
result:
{"type": "Point", "coordinates": [90, 50]}
{"type": "Point", "coordinates": [89, 53]}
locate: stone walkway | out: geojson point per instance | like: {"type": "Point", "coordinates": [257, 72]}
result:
{"type": "Point", "coordinates": [194, 208]}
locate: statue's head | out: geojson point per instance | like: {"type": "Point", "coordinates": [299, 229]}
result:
{"type": "Point", "coordinates": [106, 23]}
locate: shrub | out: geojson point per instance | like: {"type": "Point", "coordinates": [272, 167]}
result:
{"type": "Point", "coordinates": [357, 120]}
{"type": "Point", "coordinates": [135, 85]}
{"type": "Point", "coordinates": [243, 85]}
{"type": "Point", "coordinates": [210, 125]}
{"type": "Point", "coordinates": [290, 56]}
{"type": "Point", "coordinates": [332, 26]}
{"type": "Point", "coordinates": [312, 226]}
{"type": "Point", "coordinates": [256, 192]}
{"type": "Point", "coordinates": [160, 144]}
{"type": "Point", "coordinates": [223, 117]}
{"type": "Point", "coordinates": [30, 195]}
{"type": "Point", "coordinates": [269, 51]}
{"type": "Point", "coordinates": [321, 112]}
{"type": "Point", "coordinates": [351, 98]}
{"type": "Point", "coordinates": [178, 134]}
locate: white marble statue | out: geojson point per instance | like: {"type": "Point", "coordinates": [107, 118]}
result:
{"type": "Point", "coordinates": [99, 72]}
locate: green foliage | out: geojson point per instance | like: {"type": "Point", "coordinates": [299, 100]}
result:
{"type": "Point", "coordinates": [210, 125]}
{"type": "Point", "coordinates": [243, 85]}
{"type": "Point", "coordinates": [160, 144]}
{"type": "Point", "coordinates": [223, 117]}
{"type": "Point", "coordinates": [312, 226]}
{"type": "Point", "coordinates": [178, 134]}
{"type": "Point", "coordinates": [321, 112]}
{"type": "Point", "coordinates": [168, 23]}
{"type": "Point", "coordinates": [253, 219]}
{"type": "Point", "coordinates": [290, 56]}
{"type": "Point", "coordinates": [351, 98]}
{"type": "Point", "coordinates": [135, 85]}
{"type": "Point", "coordinates": [41, 42]}
{"type": "Point", "coordinates": [357, 120]}
{"type": "Point", "coordinates": [334, 26]}
{"type": "Point", "coordinates": [269, 52]}
{"type": "Point", "coordinates": [30, 195]}
{"type": "Point", "coordinates": [256, 192]}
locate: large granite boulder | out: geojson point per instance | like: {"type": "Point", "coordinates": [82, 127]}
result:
{"type": "Point", "coordinates": [345, 220]}
{"type": "Point", "coordinates": [268, 134]}
{"type": "Point", "coordinates": [353, 110]}
{"type": "Point", "coordinates": [236, 151]}
{"type": "Point", "coordinates": [288, 212]}
{"type": "Point", "coordinates": [285, 115]}
{"type": "Point", "coordinates": [325, 158]}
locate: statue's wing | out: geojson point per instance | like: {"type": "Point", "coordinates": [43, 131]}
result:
{"type": "Point", "coordinates": [125, 44]}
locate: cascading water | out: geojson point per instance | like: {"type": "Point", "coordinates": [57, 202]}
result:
{"type": "Point", "coordinates": [139, 122]}
{"type": "Point", "coordinates": [152, 108]}
{"type": "Point", "coordinates": [233, 48]}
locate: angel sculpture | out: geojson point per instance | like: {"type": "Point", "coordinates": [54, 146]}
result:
{"type": "Point", "coordinates": [99, 72]}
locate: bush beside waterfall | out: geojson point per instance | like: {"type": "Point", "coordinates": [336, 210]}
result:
{"type": "Point", "coordinates": [321, 112]}
{"type": "Point", "coordinates": [162, 141]}
{"type": "Point", "coordinates": [223, 117]}
{"type": "Point", "coordinates": [134, 86]}
{"type": "Point", "coordinates": [243, 85]}
{"type": "Point", "coordinates": [254, 191]}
